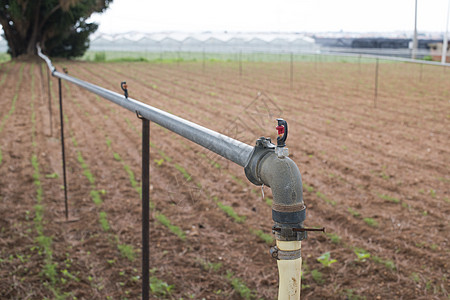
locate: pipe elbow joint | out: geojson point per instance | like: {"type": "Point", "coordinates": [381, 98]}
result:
{"type": "Point", "coordinates": [283, 177]}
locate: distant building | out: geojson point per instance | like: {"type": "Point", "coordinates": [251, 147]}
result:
{"type": "Point", "coordinates": [436, 51]}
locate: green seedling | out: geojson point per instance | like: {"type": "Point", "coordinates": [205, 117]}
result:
{"type": "Point", "coordinates": [183, 171]}
{"type": "Point", "coordinates": [67, 274]}
{"type": "Point", "coordinates": [95, 195]}
{"type": "Point", "coordinates": [210, 266]}
{"type": "Point", "coordinates": [308, 188]}
{"type": "Point", "coordinates": [104, 221]}
{"type": "Point", "coordinates": [159, 162]}
{"type": "Point", "coordinates": [159, 287]}
{"type": "Point", "coordinates": [52, 176]}
{"type": "Point", "coordinates": [335, 239]}
{"type": "Point", "coordinates": [389, 264]}
{"type": "Point", "coordinates": [324, 198]}
{"type": "Point", "coordinates": [165, 156]}
{"type": "Point", "coordinates": [238, 181]}
{"type": "Point", "coordinates": [325, 259]}
{"type": "Point", "coordinates": [389, 198]}
{"type": "Point", "coordinates": [117, 156]}
{"type": "Point", "coordinates": [85, 167]}
{"type": "Point", "coordinates": [432, 193]}
{"type": "Point", "coordinates": [317, 276]}
{"type": "Point", "coordinates": [361, 254]}
{"type": "Point", "coordinates": [231, 213]}
{"type": "Point", "coordinates": [351, 296]}
{"type": "Point", "coordinates": [133, 181]}
{"type": "Point", "coordinates": [353, 212]}
{"type": "Point", "coordinates": [415, 277]}
{"type": "Point", "coordinates": [267, 238]}
{"type": "Point", "coordinates": [240, 287]}
{"type": "Point", "coordinates": [384, 176]}
{"type": "Point", "coordinates": [127, 251]}
{"type": "Point", "coordinates": [268, 201]}
{"type": "Point", "coordinates": [173, 228]}
{"type": "Point", "coordinates": [371, 222]}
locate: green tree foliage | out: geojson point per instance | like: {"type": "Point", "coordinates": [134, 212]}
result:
{"type": "Point", "coordinates": [58, 25]}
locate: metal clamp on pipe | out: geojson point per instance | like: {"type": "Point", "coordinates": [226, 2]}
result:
{"type": "Point", "coordinates": [285, 255]}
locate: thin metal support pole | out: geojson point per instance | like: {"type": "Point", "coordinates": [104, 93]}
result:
{"type": "Point", "coordinates": [240, 63]}
{"type": "Point", "coordinates": [359, 64]}
{"type": "Point", "coordinates": [145, 207]}
{"type": "Point", "coordinates": [421, 71]}
{"type": "Point", "coordinates": [315, 62]}
{"type": "Point", "coordinates": [292, 70]}
{"type": "Point", "coordinates": [63, 152]}
{"type": "Point", "coordinates": [376, 85]}
{"type": "Point", "coordinates": [49, 103]}
{"type": "Point", "coordinates": [203, 59]}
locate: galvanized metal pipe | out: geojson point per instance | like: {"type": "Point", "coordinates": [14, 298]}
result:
{"type": "Point", "coordinates": [223, 145]}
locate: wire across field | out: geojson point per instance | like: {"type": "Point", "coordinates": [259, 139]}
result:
{"type": "Point", "coordinates": [375, 174]}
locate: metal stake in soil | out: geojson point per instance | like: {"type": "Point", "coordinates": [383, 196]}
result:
{"type": "Point", "coordinates": [145, 207]}
{"type": "Point", "coordinates": [62, 149]}
{"type": "Point", "coordinates": [203, 60]}
{"type": "Point", "coordinates": [240, 63]}
{"type": "Point", "coordinates": [421, 71]}
{"type": "Point", "coordinates": [50, 104]}
{"type": "Point", "coordinates": [376, 85]}
{"type": "Point", "coordinates": [292, 70]}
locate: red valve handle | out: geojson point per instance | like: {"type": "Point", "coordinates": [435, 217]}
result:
{"type": "Point", "coordinates": [280, 129]}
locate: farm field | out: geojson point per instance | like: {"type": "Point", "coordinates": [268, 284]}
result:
{"type": "Point", "coordinates": [376, 175]}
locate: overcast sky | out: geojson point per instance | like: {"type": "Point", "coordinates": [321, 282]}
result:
{"type": "Point", "coordinates": [266, 15]}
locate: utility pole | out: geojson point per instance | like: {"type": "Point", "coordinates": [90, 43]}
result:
{"type": "Point", "coordinates": [414, 46]}
{"type": "Point", "coordinates": [445, 42]}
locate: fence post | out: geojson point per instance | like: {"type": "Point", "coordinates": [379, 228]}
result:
{"type": "Point", "coordinates": [145, 208]}
{"type": "Point", "coordinates": [63, 153]}
{"type": "Point", "coordinates": [376, 84]}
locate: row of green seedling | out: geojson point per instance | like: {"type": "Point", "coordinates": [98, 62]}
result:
{"type": "Point", "coordinates": [50, 268]}
{"type": "Point", "coordinates": [13, 104]}
{"type": "Point", "coordinates": [96, 194]}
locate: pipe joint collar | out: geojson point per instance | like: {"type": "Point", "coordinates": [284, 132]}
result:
{"type": "Point", "coordinates": [263, 147]}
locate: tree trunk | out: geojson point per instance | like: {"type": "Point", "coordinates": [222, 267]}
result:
{"type": "Point", "coordinates": [16, 45]}
{"type": "Point", "coordinates": [33, 39]}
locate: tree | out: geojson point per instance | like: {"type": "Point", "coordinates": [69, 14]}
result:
{"type": "Point", "coordinates": [58, 25]}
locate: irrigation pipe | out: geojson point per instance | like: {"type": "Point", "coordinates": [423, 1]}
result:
{"type": "Point", "coordinates": [264, 164]}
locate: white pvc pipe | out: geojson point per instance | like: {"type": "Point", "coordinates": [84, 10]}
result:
{"type": "Point", "coordinates": [289, 272]}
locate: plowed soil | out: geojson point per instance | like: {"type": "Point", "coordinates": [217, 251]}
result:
{"type": "Point", "coordinates": [375, 170]}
